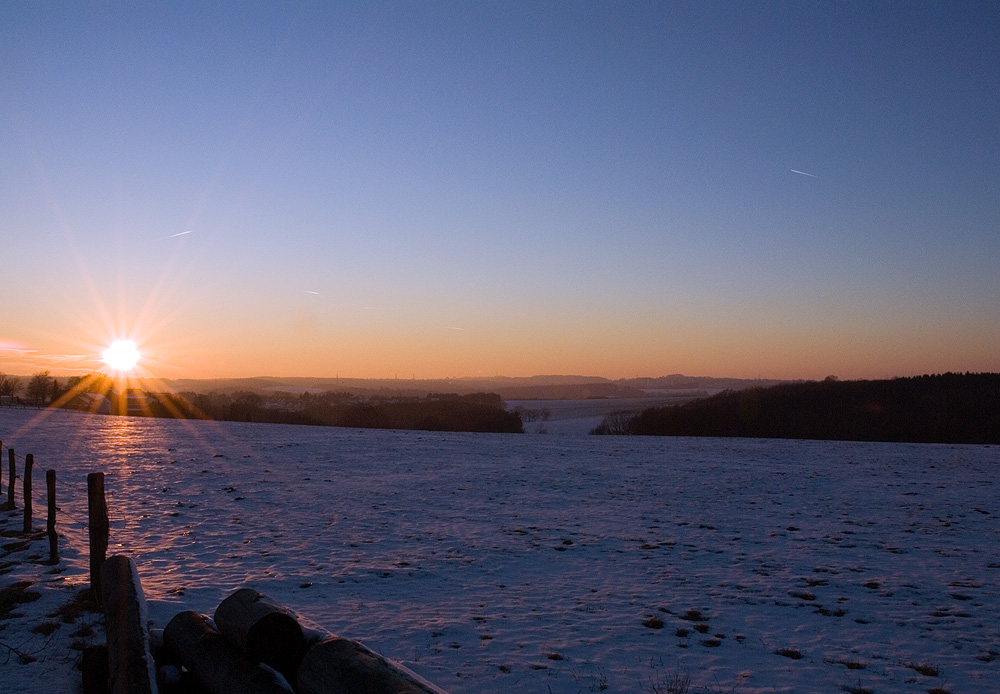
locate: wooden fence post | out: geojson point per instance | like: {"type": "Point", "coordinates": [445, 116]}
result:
{"type": "Point", "coordinates": [13, 476]}
{"type": "Point", "coordinates": [29, 461]}
{"type": "Point", "coordinates": [50, 525]}
{"type": "Point", "coordinates": [97, 524]}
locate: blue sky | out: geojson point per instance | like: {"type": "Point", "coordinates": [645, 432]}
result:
{"type": "Point", "coordinates": [454, 188]}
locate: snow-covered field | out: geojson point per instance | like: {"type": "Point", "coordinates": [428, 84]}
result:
{"type": "Point", "coordinates": [562, 564]}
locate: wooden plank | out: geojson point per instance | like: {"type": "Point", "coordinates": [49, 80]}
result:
{"type": "Point", "coordinates": [130, 664]}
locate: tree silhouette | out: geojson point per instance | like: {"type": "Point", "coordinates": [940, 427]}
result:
{"type": "Point", "coordinates": [39, 389]}
{"type": "Point", "coordinates": [10, 385]}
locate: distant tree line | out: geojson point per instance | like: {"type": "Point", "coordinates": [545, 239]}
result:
{"type": "Point", "coordinates": [41, 389]}
{"type": "Point", "coordinates": [480, 412]}
{"type": "Point", "coordinates": [944, 408]}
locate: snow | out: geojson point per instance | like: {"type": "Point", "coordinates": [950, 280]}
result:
{"type": "Point", "coordinates": [487, 563]}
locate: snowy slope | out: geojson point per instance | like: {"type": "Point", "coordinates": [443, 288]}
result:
{"type": "Point", "coordinates": [488, 563]}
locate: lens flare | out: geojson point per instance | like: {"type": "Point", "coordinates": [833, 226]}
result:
{"type": "Point", "coordinates": [121, 355]}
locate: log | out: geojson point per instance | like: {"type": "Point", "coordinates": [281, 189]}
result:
{"type": "Point", "coordinates": [342, 666]}
{"type": "Point", "coordinates": [216, 663]}
{"type": "Point", "coordinates": [266, 632]}
{"type": "Point", "coordinates": [130, 664]}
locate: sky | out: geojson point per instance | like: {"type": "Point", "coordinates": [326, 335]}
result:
{"type": "Point", "coordinates": [444, 189]}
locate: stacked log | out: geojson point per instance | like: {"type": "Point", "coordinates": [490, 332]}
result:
{"type": "Point", "coordinates": [342, 666]}
{"type": "Point", "coordinates": [215, 662]}
{"type": "Point", "coordinates": [265, 632]}
{"type": "Point", "coordinates": [253, 629]}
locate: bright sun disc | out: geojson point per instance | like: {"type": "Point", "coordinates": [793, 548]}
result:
{"type": "Point", "coordinates": [122, 355]}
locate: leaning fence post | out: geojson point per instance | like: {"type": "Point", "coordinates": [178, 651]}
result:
{"type": "Point", "coordinates": [97, 523]}
{"type": "Point", "coordinates": [13, 476]}
{"type": "Point", "coordinates": [29, 461]}
{"type": "Point", "coordinates": [50, 525]}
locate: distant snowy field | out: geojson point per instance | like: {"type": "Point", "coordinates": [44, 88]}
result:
{"type": "Point", "coordinates": [497, 563]}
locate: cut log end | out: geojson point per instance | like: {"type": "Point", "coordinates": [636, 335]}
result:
{"type": "Point", "coordinates": [266, 632]}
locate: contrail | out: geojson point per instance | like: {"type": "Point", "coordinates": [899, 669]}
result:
{"type": "Point", "coordinates": [309, 292]}
{"type": "Point", "coordinates": [803, 173]}
{"type": "Point", "coordinates": [173, 235]}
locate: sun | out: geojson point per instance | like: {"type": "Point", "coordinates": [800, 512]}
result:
{"type": "Point", "coordinates": [121, 355]}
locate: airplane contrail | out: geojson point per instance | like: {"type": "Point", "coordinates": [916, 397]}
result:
{"type": "Point", "coordinates": [309, 292]}
{"type": "Point", "coordinates": [173, 235]}
{"type": "Point", "coordinates": [803, 173]}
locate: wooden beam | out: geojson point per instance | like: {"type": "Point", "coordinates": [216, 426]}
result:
{"type": "Point", "coordinates": [130, 664]}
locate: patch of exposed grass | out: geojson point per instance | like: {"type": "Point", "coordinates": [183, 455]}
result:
{"type": "Point", "coordinates": [81, 604]}
{"type": "Point", "coordinates": [849, 664]}
{"type": "Point", "coordinates": [45, 628]}
{"type": "Point", "coordinates": [671, 683]}
{"type": "Point", "coordinates": [693, 616]}
{"type": "Point", "coordinates": [857, 689]}
{"type": "Point", "coordinates": [653, 623]}
{"type": "Point", "coordinates": [14, 595]}
{"type": "Point", "coordinates": [83, 632]}
{"type": "Point", "coordinates": [792, 653]}
{"type": "Point", "coordinates": [924, 669]}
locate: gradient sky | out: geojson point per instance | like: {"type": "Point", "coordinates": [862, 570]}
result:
{"type": "Point", "coordinates": [434, 189]}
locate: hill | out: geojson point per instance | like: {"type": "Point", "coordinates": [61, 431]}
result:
{"type": "Point", "coordinates": [546, 387]}
{"type": "Point", "coordinates": [946, 408]}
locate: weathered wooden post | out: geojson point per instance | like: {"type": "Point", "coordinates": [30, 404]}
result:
{"type": "Point", "coordinates": [13, 476]}
{"type": "Point", "coordinates": [130, 664]}
{"type": "Point", "coordinates": [97, 524]}
{"type": "Point", "coordinates": [50, 524]}
{"type": "Point", "coordinates": [29, 462]}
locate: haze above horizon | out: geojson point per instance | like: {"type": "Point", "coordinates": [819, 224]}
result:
{"type": "Point", "coordinates": [780, 190]}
